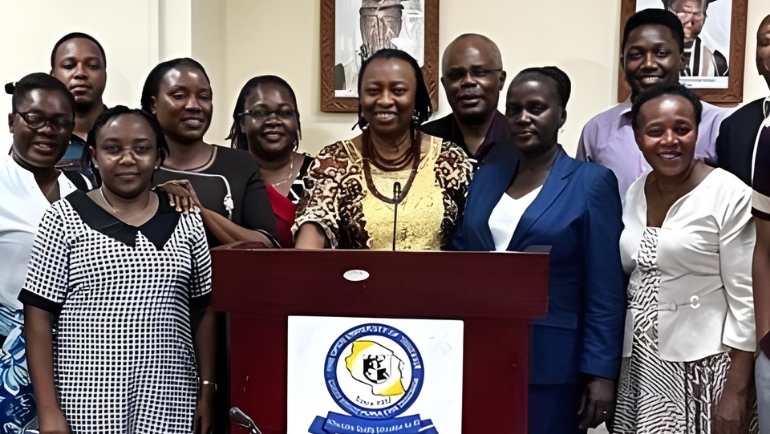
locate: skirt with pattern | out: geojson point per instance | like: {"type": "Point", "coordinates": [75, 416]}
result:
{"type": "Point", "coordinates": [655, 395]}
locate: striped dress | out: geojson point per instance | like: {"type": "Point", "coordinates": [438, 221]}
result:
{"type": "Point", "coordinates": [654, 395]}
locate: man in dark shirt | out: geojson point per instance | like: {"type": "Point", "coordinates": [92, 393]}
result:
{"type": "Point", "coordinates": [737, 139]}
{"type": "Point", "coordinates": [473, 77]}
{"type": "Point", "coordinates": [78, 61]}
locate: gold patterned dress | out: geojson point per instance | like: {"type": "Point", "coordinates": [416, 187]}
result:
{"type": "Point", "coordinates": [338, 200]}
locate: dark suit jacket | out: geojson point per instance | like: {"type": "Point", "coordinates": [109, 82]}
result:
{"type": "Point", "coordinates": [577, 212]}
{"type": "Point", "coordinates": [447, 129]}
{"type": "Point", "coordinates": [737, 136]}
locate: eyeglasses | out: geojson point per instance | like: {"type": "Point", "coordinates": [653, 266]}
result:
{"type": "Point", "coordinates": [36, 121]}
{"type": "Point", "coordinates": [458, 74]}
{"type": "Point", "coordinates": [264, 114]}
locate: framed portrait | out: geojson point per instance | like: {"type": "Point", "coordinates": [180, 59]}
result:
{"type": "Point", "coordinates": [715, 46]}
{"type": "Point", "coordinates": [352, 30]}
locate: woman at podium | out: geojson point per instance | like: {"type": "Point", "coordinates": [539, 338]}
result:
{"type": "Point", "coordinates": [551, 199]}
{"type": "Point", "coordinates": [392, 186]}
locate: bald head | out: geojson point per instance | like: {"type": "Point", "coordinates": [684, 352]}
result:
{"type": "Point", "coordinates": [472, 42]}
{"type": "Point", "coordinates": [763, 49]}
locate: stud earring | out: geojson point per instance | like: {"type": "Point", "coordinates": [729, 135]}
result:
{"type": "Point", "coordinates": [416, 117]}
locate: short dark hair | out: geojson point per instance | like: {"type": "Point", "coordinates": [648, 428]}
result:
{"type": "Point", "coordinates": [422, 104]}
{"type": "Point", "coordinates": [121, 110]}
{"type": "Point", "coordinates": [76, 35]}
{"type": "Point", "coordinates": [674, 90]}
{"type": "Point", "coordinates": [38, 81]}
{"type": "Point", "coordinates": [658, 17]}
{"type": "Point", "coordinates": [154, 79]}
{"type": "Point", "coordinates": [237, 138]}
{"type": "Point", "coordinates": [553, 75]}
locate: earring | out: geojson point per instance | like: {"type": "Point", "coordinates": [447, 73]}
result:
{"type": "Point", "coordinates": [416, 117]}
{"type": "Point", "coordinates": [362, 120]}
{"type": "Point", "coordinates": [157, 167]}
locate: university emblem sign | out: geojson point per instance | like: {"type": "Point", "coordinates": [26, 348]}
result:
{"type": "Point", "coordinates": [374, 373]}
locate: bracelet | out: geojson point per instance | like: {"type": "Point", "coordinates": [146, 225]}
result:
{"type": "Point", "coordinates": [210, 383]}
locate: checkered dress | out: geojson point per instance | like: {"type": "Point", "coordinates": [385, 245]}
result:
{"type": "Point", "coordinates": [122, 296]}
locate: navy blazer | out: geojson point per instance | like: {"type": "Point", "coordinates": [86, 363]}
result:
{"type": "Point", "coordinates": [578, 213]}
{"type": "Point", "coordinates": [737, 136]}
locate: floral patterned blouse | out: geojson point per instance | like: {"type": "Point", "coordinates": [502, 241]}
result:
{"type": "Point", "coordinates": [338, 200]}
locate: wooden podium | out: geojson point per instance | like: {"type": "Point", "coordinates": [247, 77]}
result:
{"type": "Point", "coordinates": [495, 294]}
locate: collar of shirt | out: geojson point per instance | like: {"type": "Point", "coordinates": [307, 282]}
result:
{"type": "Point", "coordinates": [625, 107]}
{"type": "Point", "coordinates": [766, 107]}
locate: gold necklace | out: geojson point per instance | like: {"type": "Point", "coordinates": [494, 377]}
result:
{"type": "Point", "coordinates": [115, 211]}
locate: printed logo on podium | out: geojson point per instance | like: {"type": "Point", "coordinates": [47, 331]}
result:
{"type": "Point", "coordinates": [374, 373]}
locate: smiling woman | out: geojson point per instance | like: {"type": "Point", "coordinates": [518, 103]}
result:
{"type": "Point", "coordinates": [225, 186]}
{"type": "Point", "coordinates": [354, 186]}
{"type": "Point", "coordinates": [41, 121]}
{"type": "Point", "coordinates": [686, 249]}
{"type": "Point", "coordinates": [140, 264]}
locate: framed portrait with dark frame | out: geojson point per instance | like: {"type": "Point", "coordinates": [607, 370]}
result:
{"type": "Point", "coordinates": [715, 46]}
{"type": "Point", "coordinates": [352, 30]}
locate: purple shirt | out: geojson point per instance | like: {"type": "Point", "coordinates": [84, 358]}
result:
{"type": "Point", "coordinates": [608, 139]}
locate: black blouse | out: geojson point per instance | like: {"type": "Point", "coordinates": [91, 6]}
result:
{"type": "Point", "coordinates": [230, 185]}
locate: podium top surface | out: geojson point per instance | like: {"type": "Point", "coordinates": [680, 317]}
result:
{"type": "Point", "coordinates": [405, 284]}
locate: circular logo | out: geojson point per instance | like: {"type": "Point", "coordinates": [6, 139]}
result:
{"type": "Point", "coordinates": [374, 371]}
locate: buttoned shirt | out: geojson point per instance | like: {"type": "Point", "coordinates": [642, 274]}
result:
{"type": "Point", "coordinates": [705, 300]}
{"type": "Point", "coordinates": [608, 139]}
{"type": "Point", "coordinates": [21, 209]}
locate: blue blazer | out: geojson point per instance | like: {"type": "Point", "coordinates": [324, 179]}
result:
{"type": "Point", "coordinates": [578, 213]}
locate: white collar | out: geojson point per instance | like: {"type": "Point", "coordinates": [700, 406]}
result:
{"type": "Point", "coordinates": [766, 107]}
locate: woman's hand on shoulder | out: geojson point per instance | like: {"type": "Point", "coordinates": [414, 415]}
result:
{"type": "Point", "coordinates": [182, 195]}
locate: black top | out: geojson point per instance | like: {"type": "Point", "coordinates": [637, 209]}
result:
{"type": "Point", "coordinates": [77, 158]}
{"type": "Point", "coordinates": [230, 185]}
{"type": "Point", "coordinates": [447, 129]}
{"type": "Point", "coordinates": [737, 136]}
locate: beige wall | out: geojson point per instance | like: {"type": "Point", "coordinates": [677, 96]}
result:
{"type": "Point", "coordinates": [238, 39]}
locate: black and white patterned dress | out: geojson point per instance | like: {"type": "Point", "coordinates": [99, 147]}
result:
{"type": "Point", "coordinates": [123, 351]}
{"type": "Point", "coordinates": [655, 395]}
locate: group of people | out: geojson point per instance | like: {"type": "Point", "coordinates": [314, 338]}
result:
{"type": "Point", "coordinates": [655, 314]}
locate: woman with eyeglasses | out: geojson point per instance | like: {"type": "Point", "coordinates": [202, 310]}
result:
{"type": "Point", "coordinates": [266, 123]}
{"type": "Point", "coordinates": [225, 184]}
{"type": "Point", "coordinates": [355, 185]}
{"type": "Point", "coordinates": [117, 298]}
{"type": "Point", "coordinates": [41, 123]}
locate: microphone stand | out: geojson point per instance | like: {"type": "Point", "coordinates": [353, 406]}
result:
{"type": "Point", "coordinates": [396, 200]}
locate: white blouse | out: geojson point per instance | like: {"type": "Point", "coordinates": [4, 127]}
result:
{"type": "Point", "coordinates": [506, 216]}
{"type": "Point", "coordinates": [21, 208]}
{"type": "Point", "coordinates": [705, 247]}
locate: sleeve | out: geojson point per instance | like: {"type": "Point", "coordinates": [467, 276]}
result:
{"type": "Point", "coordinates": [722, 143]}
{"type": "Point", "coordinates": [760, 196]}
{"type": "Point", "coordinates": [605, 292]}
{"type": "Point", "coordinates": [736, 247]}
{"type": "Point", "coordinates": [718, 115]}
{"type": "Point", "coordinates": [453, 173]}
{"type": "Point", "coordinates": [257, 213]}
{"type": "Point", "coordinates": [47, 283]}
{"type": "Point", "coordinates": [318, 204]}
{"type": "Point", "coordinates": [583, 149]}
{"type": "Point", "coordinates": [200, 275]}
